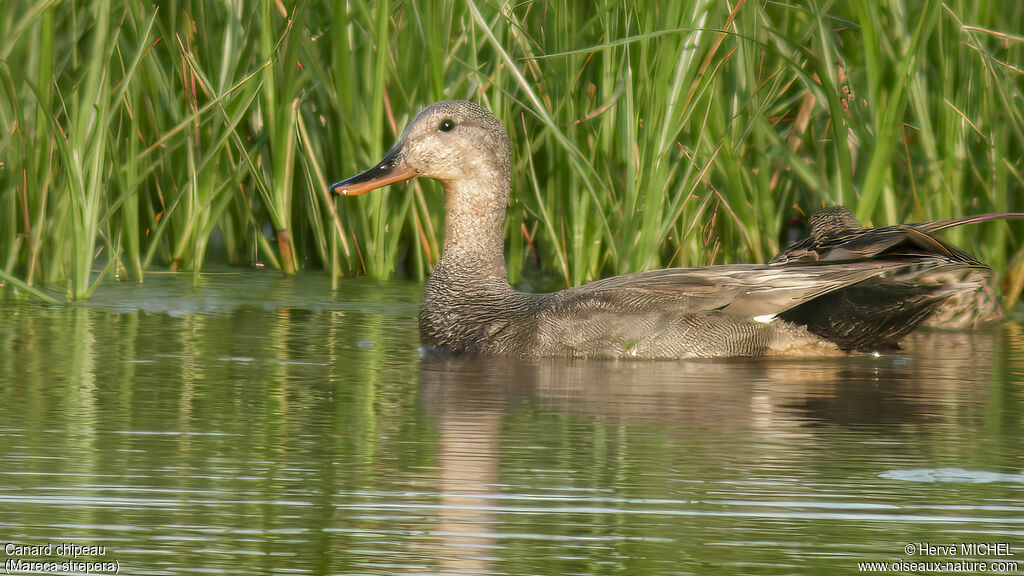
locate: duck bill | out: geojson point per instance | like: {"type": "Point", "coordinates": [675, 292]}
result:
{"type": "Point", "coordinates": [390, 170]}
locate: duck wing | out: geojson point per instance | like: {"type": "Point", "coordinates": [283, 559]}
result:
{"type": "Point", "coordinates": [695, 312]}
{"type": "Point", "coordinates": [830, 241]}
{"type": "Point", "coordinates": [865, 305]}
{"type": "Point", "coordinates": [756, 291]}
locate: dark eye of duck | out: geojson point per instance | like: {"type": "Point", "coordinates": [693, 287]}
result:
{"type": "Point", "coordinates": [446, 125]}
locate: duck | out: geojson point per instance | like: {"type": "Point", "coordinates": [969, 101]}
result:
{"type": "Point", "coordinates": [966, 300]}
{"type": "Point", "coordinates": [845, 288]}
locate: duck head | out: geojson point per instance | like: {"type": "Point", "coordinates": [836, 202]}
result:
{"type": "Point", "coordinates": [454, 142]}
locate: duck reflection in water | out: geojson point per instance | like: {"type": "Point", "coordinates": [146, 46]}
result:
{"type": "Point", "coordinates": [779, 405]}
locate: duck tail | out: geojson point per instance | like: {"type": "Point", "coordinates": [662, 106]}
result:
{"type": "Point", "coordinates": [929, 227]}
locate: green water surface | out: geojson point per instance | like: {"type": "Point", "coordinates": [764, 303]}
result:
{"type": "Point", "coordinates": [262, 425]}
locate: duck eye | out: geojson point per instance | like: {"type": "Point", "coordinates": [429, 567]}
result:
{"type": "Point", "coordinates": [446, 125]}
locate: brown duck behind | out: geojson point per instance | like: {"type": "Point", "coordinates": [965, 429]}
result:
{"type": "Point", "coordinates": [954, 291]}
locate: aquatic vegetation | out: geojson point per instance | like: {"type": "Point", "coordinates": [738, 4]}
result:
{"type": "Point", "coordinates": [135, 137]}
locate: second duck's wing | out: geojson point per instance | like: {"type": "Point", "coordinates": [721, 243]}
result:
{"type": "Point", "coordinates": [867, 243]}
{"type": "Point", "coordinates": [837, 236]}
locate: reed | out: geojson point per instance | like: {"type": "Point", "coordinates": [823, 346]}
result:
{"type": "Point", "coordinates": [645, 134]}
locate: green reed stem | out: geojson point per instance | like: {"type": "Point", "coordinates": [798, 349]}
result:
{"type": "Point", "coordinates": [135, 137]}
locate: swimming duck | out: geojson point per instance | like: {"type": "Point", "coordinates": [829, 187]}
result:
{"type": "Point", "coordinates": [843, 289]}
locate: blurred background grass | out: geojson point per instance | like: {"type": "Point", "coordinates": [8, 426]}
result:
{"type": "Point", "coordinates": [645, 134]}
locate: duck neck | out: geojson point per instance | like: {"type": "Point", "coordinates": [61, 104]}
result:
{"type": "Point", "coordinates": [474, 243]}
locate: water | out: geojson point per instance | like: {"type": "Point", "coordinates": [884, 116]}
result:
{"type": "Point", "coordinates": [261, 425]}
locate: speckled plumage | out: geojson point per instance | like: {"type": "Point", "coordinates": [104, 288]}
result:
{"type": "Point", "coordinates": [801, 303]}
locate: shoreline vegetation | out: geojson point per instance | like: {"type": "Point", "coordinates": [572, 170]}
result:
{"type": "Point", "coordinates": [138, 138]}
